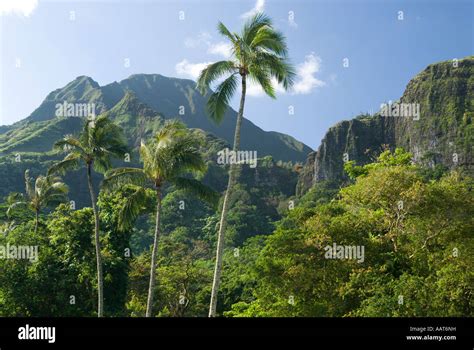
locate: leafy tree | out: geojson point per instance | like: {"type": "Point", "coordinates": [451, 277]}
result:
{"type": "Point", "coordinates": [46, 191]}
{"type": "Point", "coordinates": [386, 158]}
{"type": "Point", "coordinates": [60, 281]}
{"type": "Point", "coordinates": [181, 210]}
{"type": "Point", "coordinates": [172, 153]}
{"type": "Point", "coordinates": [240, 281]}
{"type": "Point", "coordinates": [259, 54]}
{"type": "Point", "coordinates": [183, 275]}
{"type": "Point", "coordinates": [245, 219]}
{"type": "Point", "coordinates": [426, 267]}
{"type": "Point", "coordinates": [99, 142]}
{"type": "Point", "coordinates": [417, 250]}
{"type": "Point", "coordinates": [117, 250]}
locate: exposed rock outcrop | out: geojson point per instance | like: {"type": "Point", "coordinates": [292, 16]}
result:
{"type": "Point", "coordinates": [442, 132]}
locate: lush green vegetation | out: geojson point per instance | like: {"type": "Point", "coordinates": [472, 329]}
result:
{"type": "Point", "coordinates": [416, 230]}
{"type": "Point", "coordinates": [124, 216]}
{"type": "Point", "coordinates": [417, 235]}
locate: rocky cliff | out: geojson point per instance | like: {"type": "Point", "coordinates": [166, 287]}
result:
{"type": "Point", "coordinates": [433, 120]}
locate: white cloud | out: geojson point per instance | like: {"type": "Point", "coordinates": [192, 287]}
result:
{"type": "Point", "coordinates": [18, 7]}
{"type": "Point", "coordinates": [189, 69]}
{"type": "Point", "coordinates": [306, 81]}
{"type": "Point", "coordinates": [259, 7]}
{"type": "Point", "coordinates": [205, 39]}
{"type": "Point", "coordinates": [255, 90]}
{"type": "Point", "coordinates": [202, 38]}
{"type": "Point", "coordinates": [221, 48]}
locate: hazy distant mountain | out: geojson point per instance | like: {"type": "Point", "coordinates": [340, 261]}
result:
{"type": "Point", "coordinates": [163, 96]}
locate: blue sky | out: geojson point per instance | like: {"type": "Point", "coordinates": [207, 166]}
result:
{"type": "Point", "coordinates": [43, 48]}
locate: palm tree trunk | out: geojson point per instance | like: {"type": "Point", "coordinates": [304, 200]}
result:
{"type": "Point", "coordinates": [225, 207]}
{"type": "Point", "coordinates": [36, 220]}
{"type": "Point", "coordinates": [100, 277]}
{"type": "Point", "coordinates": [151, 287]}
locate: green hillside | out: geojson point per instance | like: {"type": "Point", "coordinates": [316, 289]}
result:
{"type": "Point", "coordinates": [170, 98]}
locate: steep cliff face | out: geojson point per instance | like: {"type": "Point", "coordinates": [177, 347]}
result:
{"type": "Point", "coordinates": [360, 139]}
{"type": "Point", "coordinates": [436, 125]}
{"type": "Point", "coordinates": [444, 131]}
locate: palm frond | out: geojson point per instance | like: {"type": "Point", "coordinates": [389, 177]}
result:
{"type": "Point", "coordinates": [85, 138]}
{"type": "Point", "coordinates": [30, 190]}
{"type": "Point", "coordinates": [173, 150]}
{"type": "Point", "coordinates": [184, 159]}
{"type": "Point", "coordinates": [278, 68]}
{"type": "Point", "coordinates": [55, 199]}
{"type": "Point", "coordinates": [134, 205]}
{"type": "Point", "coordinates": [120, 176]}
{"type": "Point", "coordinates": [171, 130]}
{"type": "Point", "coordinates": [56, 188]}
{"type": "Point", "coordinates": [213, 72]}
{"type": "Point", "coordinates": [70, 162]}
{"type": "Point", "coordinates": [69, 143]}
{"type": "Point", "coordinates": [222, 29]}
{"type": "Point", "coordinates": [14, 197]}
{"type": "Point", "coordinates": [12, 207]}
{"type": "Point", "coordinates": [107, 141]}
{"type": "Point", "coordinates": [253, 25]}
{"type": "Point", "coordinates": [49, 190]}
{"type": "Point", "coordinates": [108, 137]}
{"type": "Point", "coordinates": [219, 100]}
{"type": "Point", "coordinates": [102, 162]}
{"type": "Point", "coordinates": [100, 141]}
{"type": "Point", "coordinates": [270, 40]}
{"type": "Point", "coordinates": [41, 185]}
{"type": "Point", "coordinates": [198, 189]}
{"type": "Point", "coordinates": [262, 78]}
{"type": "Point", "coordinates": [147, 156]}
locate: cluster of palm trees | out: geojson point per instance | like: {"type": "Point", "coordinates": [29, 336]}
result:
{"type": "Point", "coordinates": [259, 55]}
{"type": "Point", "coordinates": [167, 158]}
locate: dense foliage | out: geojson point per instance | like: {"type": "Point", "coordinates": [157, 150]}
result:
{"type": "Point", "coordinates": [415, 226]}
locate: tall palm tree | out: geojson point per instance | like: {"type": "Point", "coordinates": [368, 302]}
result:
{"type": "Point", "coordinates": [171, 154]}
{"type": "Point", "coordinates": [259, 54]}
{"type": "Point", "coordinates": [43, 192]}
{"type": "Point", "coordinates": [99, 142]}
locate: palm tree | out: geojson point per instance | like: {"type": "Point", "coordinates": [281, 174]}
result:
{"type": "Point", "coordinates": [259, 53]}
{"type": "Point", "coordinates": [99, 142]}
{"type": "Point", "coordinates": [171, 154]}
{"type": "Point", "coordinates": [45, 191]}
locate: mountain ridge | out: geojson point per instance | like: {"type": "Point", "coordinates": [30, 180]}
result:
{"type": "Point", "coordinates": [170, 98]}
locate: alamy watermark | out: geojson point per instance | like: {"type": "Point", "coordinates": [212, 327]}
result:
{"type": "Point", "coordinates": [227, 156]}
{"type": "Point", "coordinates": [67, 109]}
{"type": "Point", "coordinates": [20, 252]}
{"type": "Point", "coordinates": [353, 252]}
{"type": "Point", "coordinates": [396, 109]}
{"type": "Point", "coordinates": [37, 333]}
